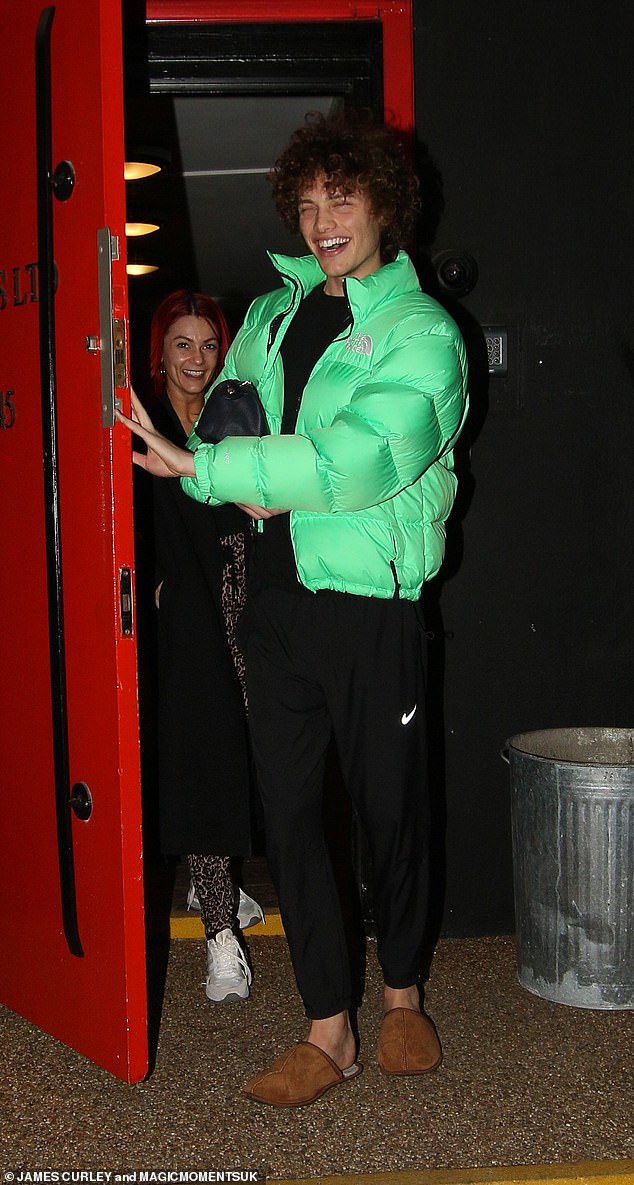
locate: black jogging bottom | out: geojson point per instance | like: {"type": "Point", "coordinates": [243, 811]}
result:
{"type": "Point", "coordinates": [354, 666]}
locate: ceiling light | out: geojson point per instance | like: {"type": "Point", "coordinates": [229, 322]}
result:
{"type": "Point", "coordinates": [134, 229]}
{"type": "Point", "coordinates": [134, 170]}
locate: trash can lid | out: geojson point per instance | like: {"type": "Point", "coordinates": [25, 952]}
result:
{"type": "Point", "coordinates": [579, 746]}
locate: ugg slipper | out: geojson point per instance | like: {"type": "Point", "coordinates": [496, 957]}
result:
{"type": "Point", "coordinates": [408, 1043]}
{"type": "Point", "coordinates": [298, 1077]}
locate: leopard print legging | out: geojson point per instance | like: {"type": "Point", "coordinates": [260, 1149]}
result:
{"type": "Point", "coordinates": [215, 892]}
{"type": "Point", "coordinates": [211, 875]}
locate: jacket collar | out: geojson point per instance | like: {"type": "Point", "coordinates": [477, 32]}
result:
{"type": "Point", "coordinates": [364, 295]}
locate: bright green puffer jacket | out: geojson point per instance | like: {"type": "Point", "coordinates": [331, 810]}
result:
{"type": "Point", "coordinates": [368, 475]}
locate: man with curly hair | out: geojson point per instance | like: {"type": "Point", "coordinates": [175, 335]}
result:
{"type": "Point", "coordinates": [363, 379]}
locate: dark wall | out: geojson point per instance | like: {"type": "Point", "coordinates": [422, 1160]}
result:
{"type": "Point", "coordinates": [526, 109]}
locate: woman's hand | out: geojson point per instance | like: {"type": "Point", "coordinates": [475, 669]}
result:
{"type": "Point", "coordinates": [163, 459]}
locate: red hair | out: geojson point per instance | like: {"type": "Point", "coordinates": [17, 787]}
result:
{"type": "Point", "coordinates": [183, 303]}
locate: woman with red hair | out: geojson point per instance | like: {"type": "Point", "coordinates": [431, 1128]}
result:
{"type": "Point", "coordinates": [200, 592]}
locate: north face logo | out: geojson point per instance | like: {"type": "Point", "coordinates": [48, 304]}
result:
{"type": "Point", "coordinates": [360, 343]}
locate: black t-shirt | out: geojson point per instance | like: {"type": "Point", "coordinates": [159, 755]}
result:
{"type": "Point", "coordinates": [318, 321]}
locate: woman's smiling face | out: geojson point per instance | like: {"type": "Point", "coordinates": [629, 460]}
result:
{"type": "Point", "coordinates": [190, 356]}
{"type": "Point", "coordinates": [342, 232]}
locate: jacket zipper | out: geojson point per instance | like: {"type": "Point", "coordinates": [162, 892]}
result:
{"type": "Point", "coordinates": [397, 587]}
{"type": "Point", "coordinates": [277, 321]}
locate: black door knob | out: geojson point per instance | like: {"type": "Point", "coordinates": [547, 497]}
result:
{"type": "Point", "coordinates": [80, 801]}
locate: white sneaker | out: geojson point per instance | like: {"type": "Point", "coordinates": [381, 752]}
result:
{"type": "Point", "coordinates": [192, 897]}
{"type": "Point", "coordinates": [228, 973]}
{"type": "Point", "coordinates": [249, 912]}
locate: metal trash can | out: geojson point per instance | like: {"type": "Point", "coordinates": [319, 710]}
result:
{"type": "Point", "coordinates": [572, 814]}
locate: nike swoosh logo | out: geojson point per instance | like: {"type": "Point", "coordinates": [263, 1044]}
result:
{"type": "Point", "coordinates": [407, 716]}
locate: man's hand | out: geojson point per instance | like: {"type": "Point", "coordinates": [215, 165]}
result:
{"type": "Point", "coordinates": [163, 459]}
{"type": "Point", "coordinates": [259, 512]}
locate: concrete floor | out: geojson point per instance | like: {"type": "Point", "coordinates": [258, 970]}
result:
{"type": "Point", "coordinates": [523, 1082]}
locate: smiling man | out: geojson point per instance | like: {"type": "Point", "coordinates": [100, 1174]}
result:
{"type": "Point", "coordinates": [342, 232]}
{"type": "Point", "coordinates": [363, 379]}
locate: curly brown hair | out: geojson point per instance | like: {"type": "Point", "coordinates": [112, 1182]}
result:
{"type": "Point", "coordinates": [352, 152]}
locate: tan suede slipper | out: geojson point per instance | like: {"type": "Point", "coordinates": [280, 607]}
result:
{"type": "Point", "coordinates": [298, 1077]}
{"type": "Point", "coordinates": [408, 1043]}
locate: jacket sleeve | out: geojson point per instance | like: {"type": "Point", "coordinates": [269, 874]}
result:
{"type": "Point", "coordinates": [200, 487]}
{"type": "Point", "coordinates": [383, 440]}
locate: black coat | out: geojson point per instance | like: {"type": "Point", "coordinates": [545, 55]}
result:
{"type": "Point", "coordinates": [202, 738]}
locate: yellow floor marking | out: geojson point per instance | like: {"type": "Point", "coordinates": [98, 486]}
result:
{"type": "Point", "coordinates": [603, 1172]}
{"type": "Point", "coordinates": [191, 926]}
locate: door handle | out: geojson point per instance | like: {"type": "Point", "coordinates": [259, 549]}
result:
{"type": "Point", "coordinates": [46, 188]}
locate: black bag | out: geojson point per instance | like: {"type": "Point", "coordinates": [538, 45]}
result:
{"type": "Point", "coordinates": [232, 409]}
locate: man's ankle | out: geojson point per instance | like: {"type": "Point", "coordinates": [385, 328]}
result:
{"type": "Point", "coordinates": [401, 998]}
{"type": "Point", "coordinates": [334, 1035]}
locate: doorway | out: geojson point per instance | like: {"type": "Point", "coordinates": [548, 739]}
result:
{"type": "Point", "coordinates": [213, 104]}
{"type": "Point", "coordinates": [192, 67]}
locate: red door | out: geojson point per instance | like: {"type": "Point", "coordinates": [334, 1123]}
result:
{"type": "Point", "coordinates": [71, 891]}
